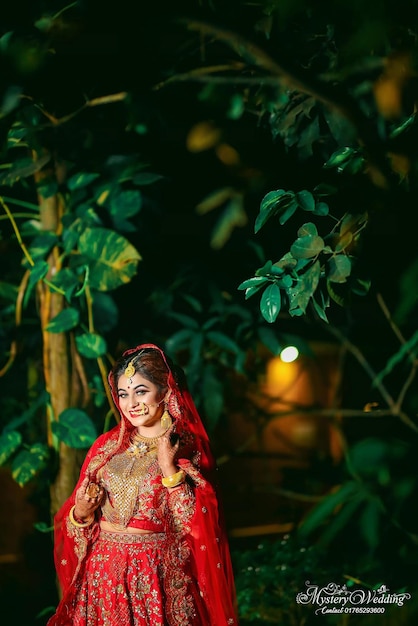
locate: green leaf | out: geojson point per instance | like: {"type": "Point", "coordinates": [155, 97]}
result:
{"type": "Point", "coordinates": [29, 462]}
{"type": "Point", "coordinates": [124, 204]}
{"type": "Point", "coordinates": [354, 165]}
{"type": "Point", "coordinates": [320, 309]}
{"type": "Point", "coordinates": [180, 340]}
{"type": "Point", "coordinates": [9, 442]}
{"type": "Point", "coordinates": [340, 156]}
{"type": "Point", "coordinates": [270, 303]}
{"type": "Point", "coordinates": [307, 247]}
{"type": "Point", "coordinates": [339, 268]}
{"type": "Point", "coordinates": [305, 200]}
{"type": "Point", "coordinates": [42, 527]}
{"type": "Point", "coordinates": [406, 351]}
{"type": "Point", "coordinates": [80, 180]}
{"type": "Point", "coordinates": [369, 523]}
{"type": "Point", "coordinates": [300, 294]}
{"type": "Point", "coordinates": [42, 245]}
{"type": "Point", "coordinates": [232, 216]}
{"type": "Point", "coordinates": [253, 285]}
{"type": "Point", "coordinates": [269, 338]}
{"type": "Point", "coordinates": [321, 208]}
{"type": "Point", "coordinates": [91, 345]}
{"type": "Point", "coordinates": [67, 281]}
{"type": "Point", "coordinates": [322, 511]}
{"type": "Point", "coordinates": [340, 520]}
{"type": "Point", "coordinates": [146, 178]}
{"type": "Point", "coordinates": [8, 291]}
{"type": "Point", "coordinates": [334, 295]}
{"type": "Point", "coordinates": [274, 202]}
{"type": "Point", "coordinates": [66, 320]}
{"type": "Point", "coordinates": [185, 320]}
{"type": "Point", "coordinates": [37, 273]}
{"type": "Point", "coordinates": [223, 341]}
{"type": "Point", "coordinates": [307, 229]}
{"type": "Point", "coordinates": [75, 428]}
{"type": "Point", "coordinates": [105, 312]}
{"type": "Point", "coordinates": [398, 130]}
{"type": "Point", "coordinates": [112, 259]}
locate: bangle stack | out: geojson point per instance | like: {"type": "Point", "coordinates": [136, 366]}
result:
{"type": "Point", "coordinates": [73, 521]}
{"type": "Point", "coordinates": [174, 479]}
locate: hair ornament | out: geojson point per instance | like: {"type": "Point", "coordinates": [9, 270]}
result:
{"type": "Point", "coordinates": [130, 370]}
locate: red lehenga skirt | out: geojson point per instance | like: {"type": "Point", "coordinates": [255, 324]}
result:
{"type": "Point", "coordinates": [126, 583]}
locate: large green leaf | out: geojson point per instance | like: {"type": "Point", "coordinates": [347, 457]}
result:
{"type": "Point", "coordinates": [9, 442]}
{"type": "Point", "coordinates": [75, 428]}
{"type": "Point", "coordinates": [91, 345]}
{"type": "Point", "coordinates": [66, 320]}
{"type": "Point", "coordinates": [29, 462]}
{"type": "Point", "coordinates": [112, 259]}
{"type": "Point", "coordinates": [270, 303]}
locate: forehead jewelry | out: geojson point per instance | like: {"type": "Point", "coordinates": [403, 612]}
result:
{"type": "Point", "coordinates": [130, 371]}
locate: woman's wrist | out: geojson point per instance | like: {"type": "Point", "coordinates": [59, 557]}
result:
{"type": "Point", "coordinates": [174, 480]}
{"type": "Point", "coordinates": [170, 470]}
{"type": "Point", "coordinates": [78, 517]}
{"type": "Point", "coordinates": [80, 522]}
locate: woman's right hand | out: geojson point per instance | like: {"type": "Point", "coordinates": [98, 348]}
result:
{"type": "Point", "coordinates": [85, 502]}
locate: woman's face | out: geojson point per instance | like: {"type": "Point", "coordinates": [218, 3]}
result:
{"type": "Point", "coordinates": [141, 402]}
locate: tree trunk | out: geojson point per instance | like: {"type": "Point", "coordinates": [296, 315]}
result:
{"type": "Point", "coordinates": [56, 358]}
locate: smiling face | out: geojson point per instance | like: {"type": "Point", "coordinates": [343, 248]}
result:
{"type": "Point", "coordinates": [142, 403]}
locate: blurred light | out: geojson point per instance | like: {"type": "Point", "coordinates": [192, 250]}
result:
{"type": "Point", "coordinates": [289, 354]}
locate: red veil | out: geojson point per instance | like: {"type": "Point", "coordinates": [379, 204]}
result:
{"type": "Point", "coordinates": [207, 539]}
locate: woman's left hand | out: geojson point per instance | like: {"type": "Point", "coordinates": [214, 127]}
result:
{"type": "Point", "coordinates": [167, 452]}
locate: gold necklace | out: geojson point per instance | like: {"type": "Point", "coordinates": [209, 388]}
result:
{"type": "Point", "coordinates": [140, 445]}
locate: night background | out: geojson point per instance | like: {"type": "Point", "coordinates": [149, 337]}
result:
{"type": "Point", "coordinates": [223, 179]}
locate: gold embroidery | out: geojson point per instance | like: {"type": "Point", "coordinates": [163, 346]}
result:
{"type": "Point", "coordinates": [123, 478]}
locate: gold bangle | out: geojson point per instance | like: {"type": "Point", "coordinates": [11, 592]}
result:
{"type": "Point", "coordinates": [79, 524]}
{"type": "Point", "coordinates": [174, 479]}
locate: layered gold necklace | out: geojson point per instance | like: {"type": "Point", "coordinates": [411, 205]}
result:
{"type": "Point", "coordinates": [140, 445]}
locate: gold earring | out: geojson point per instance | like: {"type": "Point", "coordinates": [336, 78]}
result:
{"type": "Point", "coordinates": [166, 420]}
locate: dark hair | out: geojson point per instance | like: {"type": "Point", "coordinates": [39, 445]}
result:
{"type": "Point", "coordinates": [148, 362]}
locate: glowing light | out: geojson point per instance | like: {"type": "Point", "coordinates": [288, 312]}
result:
{"type": "Point", "coordinates": [289, 354]}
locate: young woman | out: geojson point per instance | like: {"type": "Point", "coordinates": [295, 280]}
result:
{"type": "Point", "coordinates": [141, 541]}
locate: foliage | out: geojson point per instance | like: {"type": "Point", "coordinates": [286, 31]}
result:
{"type": "Point", "coordinates": [294, 132]}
